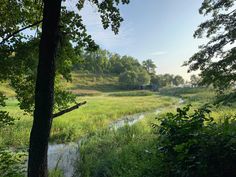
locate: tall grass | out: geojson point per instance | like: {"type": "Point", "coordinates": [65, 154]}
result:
{"type": "Point", "coordinates": [97, 114]}
{"type": "Point", "coordinates": [123, 153]}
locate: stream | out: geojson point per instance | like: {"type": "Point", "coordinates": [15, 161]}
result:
{"type": "Point", "coordinates": [63, 156]}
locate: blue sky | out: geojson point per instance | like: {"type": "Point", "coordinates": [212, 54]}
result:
{"type": "Point", "coordinates": [161, 30]}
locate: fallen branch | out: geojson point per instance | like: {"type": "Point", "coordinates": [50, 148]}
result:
{"type": "Point", "coordinates": [22, 29]}
{"type": "Point", "coordinates": [68, 109]}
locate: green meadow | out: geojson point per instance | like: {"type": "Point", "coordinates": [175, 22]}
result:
{"type": "Point", "coordinates": [99, 111]}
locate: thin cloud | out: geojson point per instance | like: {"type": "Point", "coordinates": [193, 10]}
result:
{"type": "Point", "coordinates": [158, 53]}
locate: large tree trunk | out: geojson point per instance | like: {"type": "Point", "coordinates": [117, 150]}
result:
{"type": "Point", "coordinates": [44, 91]}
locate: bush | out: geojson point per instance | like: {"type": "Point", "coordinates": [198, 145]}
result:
{"type": "Point", "coordinates": [12, 164]}
{"type": "Point", "coordinates": [193, 145]}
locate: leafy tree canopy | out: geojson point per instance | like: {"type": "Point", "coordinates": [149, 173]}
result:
{"type": "Point", "coordinates": [19, 50]}
{"type": "Point", "coordinates": [194, 80]}
{"type": "Point", "coordinates": [217, 58]}
{"type": "Point", "coordinates": [135, 78]}
{"type": "Point", "coordinates": [178, 80]}
{"type": "Point", "coordinates": [150, 66]}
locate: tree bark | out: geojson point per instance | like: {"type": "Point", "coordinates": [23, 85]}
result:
{"type": "Point", "coordinates": [44, 90]}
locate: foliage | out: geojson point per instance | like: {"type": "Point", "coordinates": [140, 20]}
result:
{"type": "Point", "coordinates": [5, 118]}
{"type": "Point", "coordinates": [12, 164]}
{"type": "Point", "coordinates": [166, 80]}
{"type": "Point", "coordinates": [122, 153]}
{"type": "Point", "coordinates": [194, 80]}
{"type": "Point", "coordinates": [95, 62]}
{"type": "Point", "coordinates": [134, 78]}
{"type": "Point", "coordinates": [19, 51]}
{"type": "Point", "coordinates": [56, 173]}
{"type": "Point", "coordinates": [21, 73]}
{"type": "Point", "coordinates": [116, 64]}
{"type": "Point", "coordinates": [216, 59]}
{"type": "Point", "coordinates": [149, 66]}
{"type": "Point", "coordinates": [155, 80]}
{"type": "Point", "coordinates": [193, 145]}
{"type": "Point", "coordinates": [105, 62]}
{"type": "Point", "coordinates": [227, 99]}
{"type": "Point", "coordinates": [178, 80]}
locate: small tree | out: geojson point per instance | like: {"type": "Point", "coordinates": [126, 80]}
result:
{"type": "Point", "coordinates": [134, 79]}
{"type": "Point", "coordinates": [155, 82]}
{"type": "Point", "coordinates": [194, 80]}
{"type": "Point", "coordinates": [143, 78]}
{"type": "Point", "coordinates": [149, 66]}
{"type": "Point", "coordinates": [167, 80]}
{"type": "Point", "coordinates": [178, 80]}
{"type": "Point", "coordinates": [116, 66]}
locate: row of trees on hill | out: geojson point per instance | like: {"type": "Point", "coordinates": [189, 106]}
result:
{"type": "Point", "coordinates": [104, 62]}
{"type": "Point", "coordinates": [132, 74]}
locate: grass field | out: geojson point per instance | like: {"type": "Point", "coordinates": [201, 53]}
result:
{"type": "Point", "coordinates": [95, 115]}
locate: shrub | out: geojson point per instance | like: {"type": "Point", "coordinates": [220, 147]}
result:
{"type": "Point", "coordinates": [193, 145]}
{"type": "Point", "coordinates": [12, 164]}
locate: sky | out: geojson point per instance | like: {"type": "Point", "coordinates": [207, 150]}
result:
{"type": "Point", "coordinates": [161, 30]}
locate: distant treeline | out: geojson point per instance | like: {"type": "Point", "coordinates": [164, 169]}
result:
{"type": "Point", "coordinates": [132, 74]}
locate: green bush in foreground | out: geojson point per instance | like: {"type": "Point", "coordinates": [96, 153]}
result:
{"type": "Point", "coordinates": [193, 145]}
{"type": "Point", "coordinates": [12, 164]}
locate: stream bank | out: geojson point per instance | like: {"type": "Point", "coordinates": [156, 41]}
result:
{"type": "Point", "coordinates": [63, 156]}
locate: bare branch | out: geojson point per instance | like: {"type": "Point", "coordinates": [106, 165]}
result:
{"type": "Point", "coordinates": [16, 32]}
{"type": "Point", "coordinates": [68, 109]}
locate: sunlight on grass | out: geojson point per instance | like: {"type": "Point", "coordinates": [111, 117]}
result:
{"type": "Point", "coordinates": [97, 114]}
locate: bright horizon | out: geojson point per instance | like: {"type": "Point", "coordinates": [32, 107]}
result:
{"type": "Point", "coordinates": [157, 30]}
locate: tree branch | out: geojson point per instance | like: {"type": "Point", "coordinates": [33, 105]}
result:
{"type": "Point", "coordinates": [68, 109]}
{"type": "Point", "coordinates": [22, 29]}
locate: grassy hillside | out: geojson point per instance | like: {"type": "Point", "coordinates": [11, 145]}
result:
{"type": "Point", "coordinates": [82, 84]}
{"type": "Point", "coordinates": [92, 84]}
